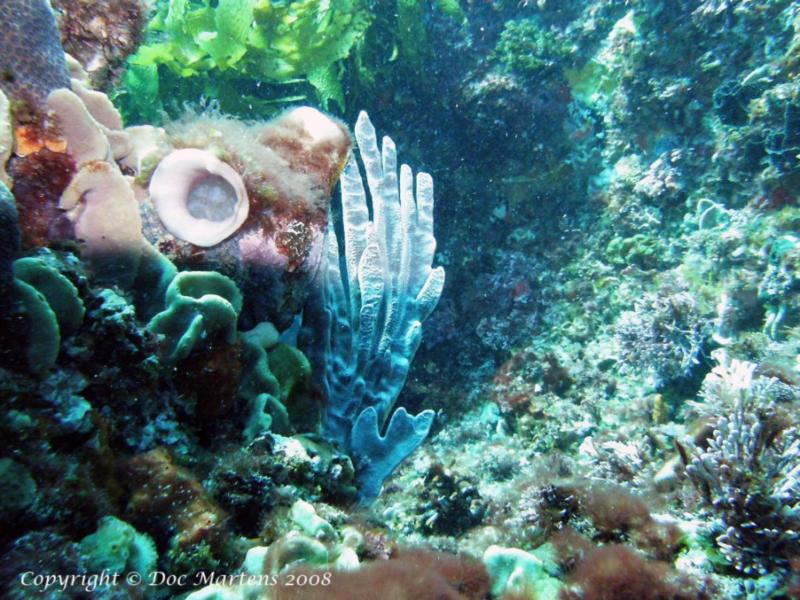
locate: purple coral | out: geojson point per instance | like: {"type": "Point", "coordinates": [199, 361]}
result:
{"type": "Point", "coordinates": [750, 472]}
{"type": "Point", "coordinates": [32, 60]}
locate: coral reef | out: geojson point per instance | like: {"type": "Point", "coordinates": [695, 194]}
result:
{"type": "Point", "coordinates": [209, 367]}
{"type": "Point", "coordinates": [664, 334]}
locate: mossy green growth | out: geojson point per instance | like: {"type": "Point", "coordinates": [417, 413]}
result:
{"type": "Point", "coordinates": [530, 51]}
{"type": "Point", "coordinates": [639, 249]}
{"type": "Point", "coordinates": [521, 573]}
{"type": "Point", "coordinates": [214, 42]}
{"type": "Point", "coordinates": [18, 489]}
{"type": "Point", "coordinates": [290, 367]}
{"type": "Point", "coordinates": [777, 288]}
{"type": "Point", "coordinates": [452, 9]}
{"type": "Point", "coordinates": [411, 32]}
{"type": "Point", "coordinates": [117, 547]}
{"type": "Point", "coordinates": [201, 307]}
{"type": "Point", "coordinates": [191, 559]}
{"type": "Point", "coordinates": [595, 81]}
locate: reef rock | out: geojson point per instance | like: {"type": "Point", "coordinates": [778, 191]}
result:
{"type": "Point", "coordinates": [31, 57]}
{"type": "Point", "coordinates": [247, 200]}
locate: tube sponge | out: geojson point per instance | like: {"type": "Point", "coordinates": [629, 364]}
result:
{"type": "Point", "coordinates": [199, 198]}
{"type": "Point", "coordinates": [375, 301]}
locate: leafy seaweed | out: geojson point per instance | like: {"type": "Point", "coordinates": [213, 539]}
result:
{"type": "Point", "coordinates": [200, 47]}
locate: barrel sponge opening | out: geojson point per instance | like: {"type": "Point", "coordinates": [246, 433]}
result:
{"type": "Point", "coordinates": [199, 198]}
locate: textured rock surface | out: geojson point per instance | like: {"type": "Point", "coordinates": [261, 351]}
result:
{"type": "Point", "coordinates": [289, 166]}
{"type": "Point", "coordinates": [31, 57]}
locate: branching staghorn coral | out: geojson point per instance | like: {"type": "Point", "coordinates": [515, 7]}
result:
{"type": "Point", "coordinates": [376, 297]}
{"type": "Point", "coordinates": [750, 472]}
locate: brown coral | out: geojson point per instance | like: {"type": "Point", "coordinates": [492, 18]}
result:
{"type": "Point", "coordinates": [617, 573]}
{"type": "Point", "coordinates": [39, 180]}
{"type": "Point", "coordinates": [212, 378]}
{"type": "Point", "coordinates": [615, 513]}
{"type": "Point", "coordinates": [101, 34]}
{"type": "Point", "coordinates": [167, 500]}
{"type": "Point", "coordinates": [410, 575]}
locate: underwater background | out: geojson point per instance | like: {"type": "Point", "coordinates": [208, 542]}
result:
{"type": "Point", "coordinates": [245, 354]}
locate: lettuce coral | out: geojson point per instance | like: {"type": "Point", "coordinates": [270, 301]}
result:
{"type": "Point", "coordinates": [201, 307]}
{"type": "Point", "coordinates": [272, 372]}
{"type": "Point", "coordinates": [50, 305]}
